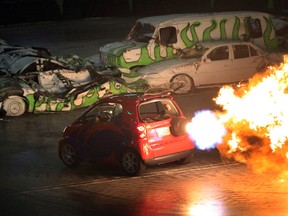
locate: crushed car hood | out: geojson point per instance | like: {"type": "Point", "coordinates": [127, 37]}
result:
{"type": "Point", "coordinates": [117, 48]}
{"type": "Point", "coordinates": [60, 80]}
{"type": "Point", "coordinates": [169, 64]}
{"type": "Point", "coordinates": [10, 86]}
{"type": "Point", "coordinates": [14, 65]}
{"type": "Point", "coordinates": [15, 58]}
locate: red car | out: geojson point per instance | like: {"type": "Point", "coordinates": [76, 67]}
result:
{"type": "Point", "coordinates": [131, 129]}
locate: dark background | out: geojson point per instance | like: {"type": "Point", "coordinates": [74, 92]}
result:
{"type": "Point", "coordinates": [22, 11]}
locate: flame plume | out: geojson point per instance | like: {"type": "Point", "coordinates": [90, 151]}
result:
{"type": "Point", "coordinates": [256, 120]}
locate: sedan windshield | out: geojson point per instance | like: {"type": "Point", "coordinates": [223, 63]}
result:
{"type": "Point", "coordinates": [194, 52]}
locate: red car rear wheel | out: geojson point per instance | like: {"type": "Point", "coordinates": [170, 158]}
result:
{"type": "Point", "coordinates": [132, 163]}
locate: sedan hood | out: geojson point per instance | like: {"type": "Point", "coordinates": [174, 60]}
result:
{"type": "Point", "coordinates": [165, 65]}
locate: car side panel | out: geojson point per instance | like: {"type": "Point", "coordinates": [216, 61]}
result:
{"type": "Point", "coordinates": [245, 68]}
{"type": "Point", "coordinates": [214, 72]}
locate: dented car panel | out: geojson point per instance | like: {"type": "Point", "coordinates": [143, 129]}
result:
{"type": "Point", "coordinates": [17, 96]}
{"type": "Point", "coordinates": [158, 38]}
{"type": "Point", "coordinates": [15, 60]}
{"type": "Point", "coordinates": [57, 81]}
{"type": "Point", "coordinates": [21, 61]}
{"type": "Point", "coordinates": [33, 81]}
{"type": "Point", "coordinates": [82, 96]}
{"type": "Point", "coordinates": [207, 64]}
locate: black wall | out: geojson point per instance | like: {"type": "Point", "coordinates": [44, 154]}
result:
{"type": "Point", "coordinates": [20, 11]}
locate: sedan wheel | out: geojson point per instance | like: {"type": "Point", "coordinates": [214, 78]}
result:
{"type": "Point", "coordinates": [69, 155]}
{"type": "Point", "coordinates": [186, 84]}
{"type": "Point", "coordinates": [14, 106]}
{"type": "Point", "coordinates": [132, 164]}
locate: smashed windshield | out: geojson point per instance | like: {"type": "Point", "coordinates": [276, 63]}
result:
{"type": "Point", "coordinates": [194, 52]}
{"type": "Point", "coordinates": [141, 32]}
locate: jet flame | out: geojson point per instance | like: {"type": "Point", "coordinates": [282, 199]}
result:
{"type": "Point", "coordinates": [206, 130]}
{"type": "Point", "coordinates": [255, 118]}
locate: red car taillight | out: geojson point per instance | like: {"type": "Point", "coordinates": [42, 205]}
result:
{"type": "Point", "coordinates": [142, 131]}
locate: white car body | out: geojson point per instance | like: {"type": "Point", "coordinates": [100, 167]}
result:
{"type": "Point", "coordinates": [209, 68]}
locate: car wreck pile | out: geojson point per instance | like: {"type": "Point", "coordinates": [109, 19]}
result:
{"type": "Point", "coordinates": [159, 52]}
{"type": "Point", "coordinates": [34, 81]}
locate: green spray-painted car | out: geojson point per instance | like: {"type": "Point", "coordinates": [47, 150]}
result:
{"type": "Point", "coordinates": [19, 96]}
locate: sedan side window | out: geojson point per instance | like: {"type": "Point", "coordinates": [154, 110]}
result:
{"type": "Point", "coordinates": [253, 52]}
{"type": "Point", "coordinates": [240, 51]}
{"type": "Point", "coordinates": [219, 53]}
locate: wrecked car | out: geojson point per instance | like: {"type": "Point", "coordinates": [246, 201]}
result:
{"type": "Point", "coordinates": [20, 61]}
{"type": "Point", "coordinates": [207, 64]}
{"type": "Point", "coordinates": [16, 60]}
{"type": "Point", "coordinates": [158, 38]}
{"type": "Point", "coordinates": [33, 81]}
{"type": "Point", "coordinates": [19, 96]}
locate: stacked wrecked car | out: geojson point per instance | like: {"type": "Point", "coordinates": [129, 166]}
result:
{"type": "Point", "coordinates": [190, 51]}
{"type": "Point", "coordinates": [33, 81]}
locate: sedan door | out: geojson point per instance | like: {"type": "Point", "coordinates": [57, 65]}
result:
{"type": "Point", "coordinates": [215, 67]}
{"type": "Point", "coordinates": [246, 62]}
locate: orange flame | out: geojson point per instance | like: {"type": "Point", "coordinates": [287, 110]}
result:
{"type": "Point", "coordinates": [256, 120]}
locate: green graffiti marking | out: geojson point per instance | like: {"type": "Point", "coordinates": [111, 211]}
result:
{"type": "Point", "coordinates": [68, 103]}
{"type": "Point", "coordinates": [31, 100]}
{"type": "Point", "coordinates": [207, 31]}
{"type": "Point", "coordinates": [236, 28]}
{"type": "Point", "coordinates": [223, 35]}
{"type": "Point", "coordinates": [41, 100]}
{"type": "Point", "coordinates": [216, 30]}
{"type": "Point", "coordinates": [91, 97]}
{"type": "Point", "coordinates": [184, 37]}
{"type": "Point", "coordinates": [145, 58]}
{"type": "Point", "coordinates": [60, 106]}
{"type": "Point", "coordinates": [271, 43]}
{"type": "Point", "coordinates": [247, 33]}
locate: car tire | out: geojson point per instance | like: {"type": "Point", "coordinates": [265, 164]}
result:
{"type": "Point", "coordinates": [178, 126]}
{"type": "Point", "coordinates": [132, 164]}
{"type": "Point", "coordinates": [14, 106]}
{"type": "Point", "coordinates": [187, 84]}
{"type": "Point", "coordinates": [69, 155]}
{"type": "Point", "coordinates": [185, 160]}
